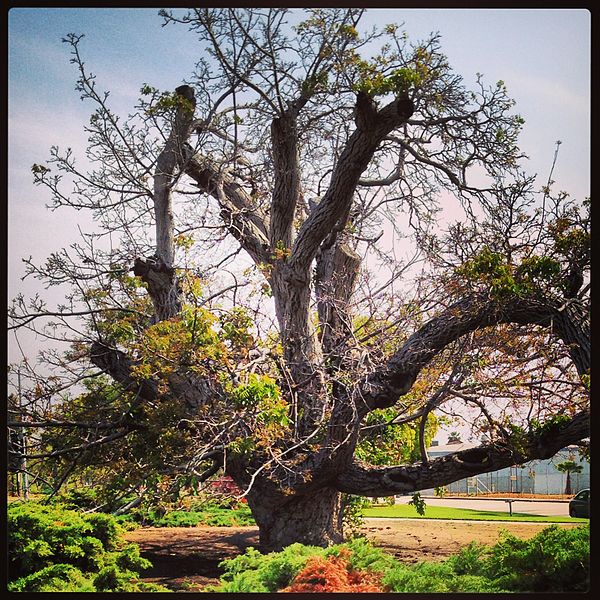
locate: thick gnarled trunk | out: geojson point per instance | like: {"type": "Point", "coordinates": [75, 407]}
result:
{"type": "Point", "coordinates": [314, 519]}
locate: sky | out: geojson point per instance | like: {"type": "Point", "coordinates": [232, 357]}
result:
{"type": "Point", "coordinates": [542, 55]}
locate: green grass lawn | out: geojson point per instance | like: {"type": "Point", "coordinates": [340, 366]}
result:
{"type": "Point", "coordinates": [403, 511]}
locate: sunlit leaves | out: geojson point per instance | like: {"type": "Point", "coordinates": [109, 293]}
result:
{"type": "Point", "coordinates": [236, 326]}
{"type": "Point", "coordinates": [505, 279]}
{"type": "Point", "coordinates": [384, 443]}
{"type": "Point", "coordinates": [400, 81]}
{"type": "Point", "coordinates": [187, 340]}
{"type": "Point", "coordinates": [261, 400]}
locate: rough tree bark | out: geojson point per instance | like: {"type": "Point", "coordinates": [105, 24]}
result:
{"type": "Point", "coordinates": [314, 519]}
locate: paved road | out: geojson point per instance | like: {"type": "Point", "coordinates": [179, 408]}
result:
{"type": "Point", "coordinates": [548, 508]}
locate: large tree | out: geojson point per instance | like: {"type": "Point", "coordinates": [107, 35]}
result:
{"type": "Point", "coordinates": [284, 171]}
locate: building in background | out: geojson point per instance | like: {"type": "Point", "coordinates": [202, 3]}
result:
{"type": "Point", "coordinates": [535, 477]}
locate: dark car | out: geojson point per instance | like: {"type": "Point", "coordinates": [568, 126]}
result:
{"type": "Point", "coordinates": [579, 506]}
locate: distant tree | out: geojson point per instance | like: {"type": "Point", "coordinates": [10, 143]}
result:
{"type": "Point", "coordinates": [568, 467]}
{"type": "Point", "coordinates": [244, 305]}
{"type": "Point", "coordinates": [454, 438]}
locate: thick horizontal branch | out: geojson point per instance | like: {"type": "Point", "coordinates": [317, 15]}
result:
{"type": "Point", "coordinates": [364, 480]}
{"type": "Point", "coordinates": [118, 365]}
{"type": "Point", "coordinates": [568, 321]}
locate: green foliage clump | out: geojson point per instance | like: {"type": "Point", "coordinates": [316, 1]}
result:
{"type": "Point", "coordinates": [213, 511]}
{"type": "Point", "coordinates": [211, 516]}
{"type": "Point", "coordinates": [53, 549]}
{"type": "Point", "coordinates": [121, 573]}
{"type": "Point", "coordinates": [256, 572]}
{"type": "Point", "coordinates": [432, 577]}
{"type": "Point", "coordinates": [79, 498]}
{"type": "Point", "coordinates": [505, 279]}
{"type": "Point", "coordinates": [261, 397]}
{"type": "Point", "coordinates": [54, 578]}
{"type": "Point", "coordinates": [550, 426]}
{"type": "Point", "coordinates": [258, 390]}
{"type": "Point", "coordinates": [398, 82]}
{"type": "Point", "coordinates": [418, 503]}
{"type": "Point", "coordinates": [556, 559]}
{"type": "Point", "coordinates": [364, 556]}
{"type": "Point", "coordinates": [385, 444]}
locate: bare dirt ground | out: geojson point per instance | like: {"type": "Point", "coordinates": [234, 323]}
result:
{"type": "Point", "coordinates": [187, 558]}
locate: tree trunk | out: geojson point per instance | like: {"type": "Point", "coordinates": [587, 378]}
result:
{"type": "Point", "coordinates": [314, 519]}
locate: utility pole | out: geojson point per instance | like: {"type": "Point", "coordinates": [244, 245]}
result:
{"type": "Point", "coordinates": [22, 437]}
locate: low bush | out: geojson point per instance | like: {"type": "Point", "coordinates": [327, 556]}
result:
{"type": "Point", "coordinates": [211, 516]}
{"type": "Point", "coordinates": [334, 574]}
{"type": "Point", "coordinates": [556, 559]}
{"type": "Point", "coordinates": [256, 572]}
{"type": "Point", "coordinates": [434, 577]}
{"type": "Point", "coordinates": [54, 578]}
{"type": "Point", "coordinates": [78, 498]}
{"type": "Point", "coordinates": [52, 549]}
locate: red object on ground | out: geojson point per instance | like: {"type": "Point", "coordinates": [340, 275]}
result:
{"type": "Point", "coordinates": [334, 574]}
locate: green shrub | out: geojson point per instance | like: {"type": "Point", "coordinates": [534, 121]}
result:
{"type": "Point", "coordinates": [79, 498]}
{"type": "Point", "coordinates": [55, 578]}
{"type": "Point", "coordinates": [212, 516]}
{"type": "Point", "coordinates": [113, 578]}
{"type": "Point", "coordinates": [365, 556]}
{"type": "Point", "coordinates": [434, 577]}
{"type": "Point", "coordinates": [40, 536]}
{"type": "Point", "coordinates": [556, 559]}
{"type": "Point", "coordinates": [256, 572]}
{"type": "Point", "coordinates": [56, 550]}
{"type": "Point", "coordinates": [178, 518]}
{"type": "Point", "coordinates": [105, 528]}
{"type": "Point", "coordinates": [468, 560]}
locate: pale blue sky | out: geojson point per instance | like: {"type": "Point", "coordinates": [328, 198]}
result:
{"type": "Point", "coordinates": [542, 55]}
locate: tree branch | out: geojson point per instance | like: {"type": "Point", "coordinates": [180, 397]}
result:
{"type": "Point", "coordinates": [166, 165]}
{"type": "Point", "coordinates": [194, 390]}
{"type": "Point", "coordinates": [365, 480]}
{"type": "Point", "coordinates": [286, 188]}
{"type": "Point", "coordinates": [332, 212]}
{"type": "Point", "coordinates": [240, 216]}
{"type": "Point", "coordinates": [568, 321]}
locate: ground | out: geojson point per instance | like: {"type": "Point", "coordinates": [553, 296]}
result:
{"type": "Point", "coordinates": [187, 558]}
